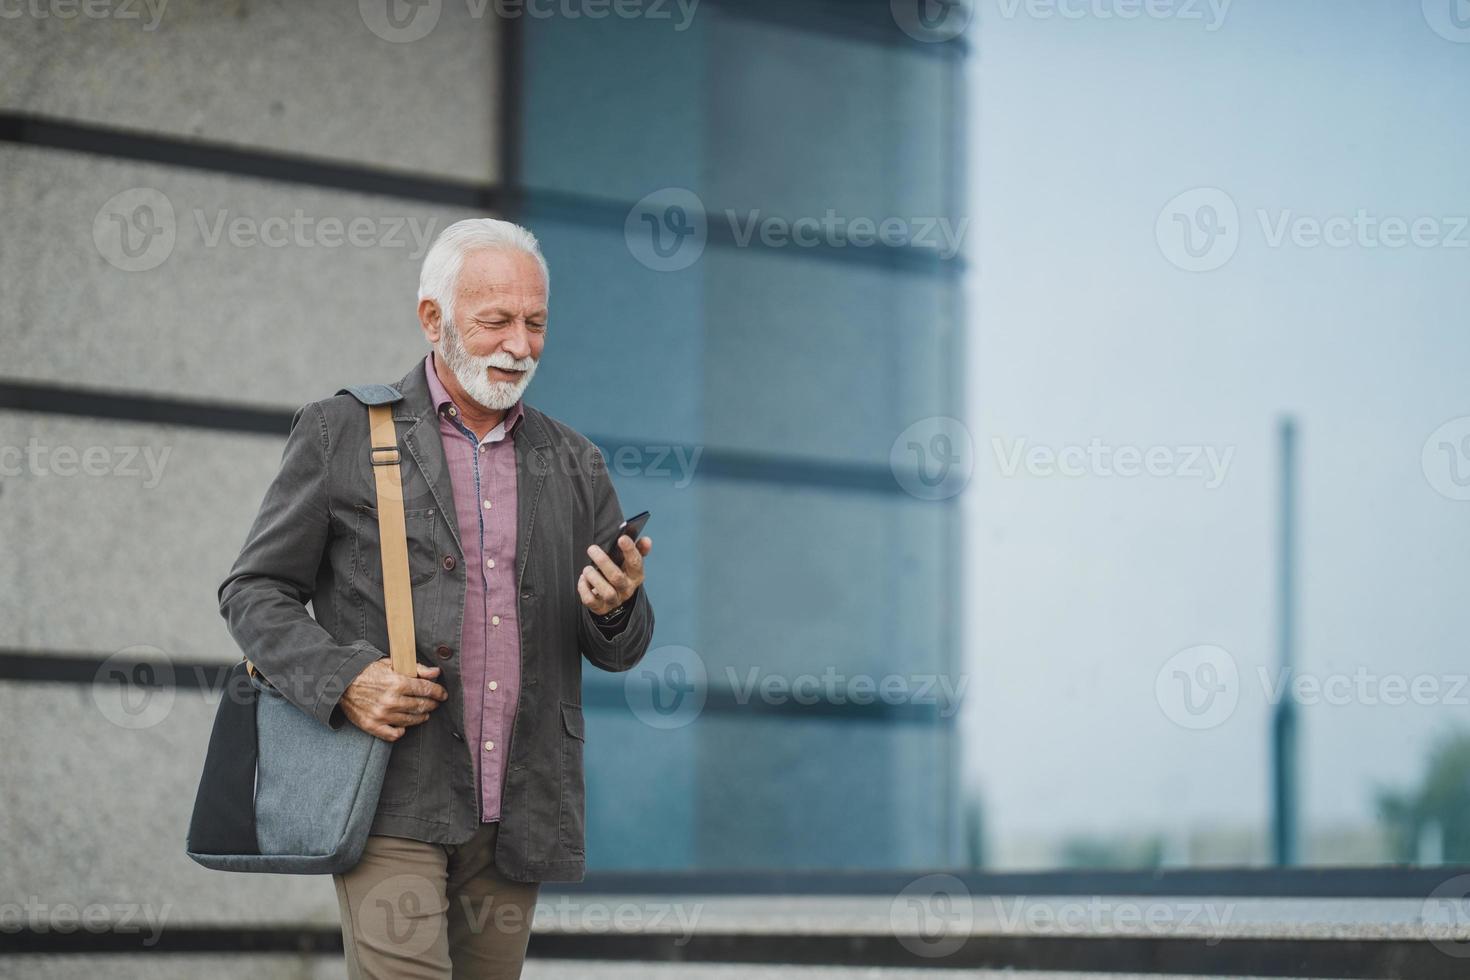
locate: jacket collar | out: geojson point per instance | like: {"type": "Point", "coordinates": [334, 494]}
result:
{"type": "Point", "coordinates": [425, 446]}
{"type": "Point", "coordinates": [418, 404]}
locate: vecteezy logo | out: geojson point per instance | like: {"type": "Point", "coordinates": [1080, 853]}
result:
{"type": "Point", "coordinates": [134, 688]}
{"type": "Point", "coordinates": [667, 230]}
{"type": "Point", "coordinates": [931, 20]}
{"type": "Point", "coordinates": [1199, 230]}
{"type": "Point", "coordinates": [1446, 459]}
{"type": "Point", "coordinates": [933, 458]}
{"type": "Point", "coordinates": [400, 21]}
{"type": "Point", "coordinates": [1445, 915]}
{"type": "Point", "coordinates": [932, 916]}
{"type": "Point", "coordinates": [1199, 687]}
{"type": "Point", "coordinates": [1450, 19]}
{"type": "Point", "coordinates": [405, 910]}
{"type": "Point", "coordinates": [135, 229]}
{"type": "Point", "coordinates": [668, 688]}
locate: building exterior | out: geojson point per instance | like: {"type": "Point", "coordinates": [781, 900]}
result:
{"type": "Point", "coordinates": [217, 214]}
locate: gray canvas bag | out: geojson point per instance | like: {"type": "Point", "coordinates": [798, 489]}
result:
{"type": "Point", "coordinates": [281, 793]}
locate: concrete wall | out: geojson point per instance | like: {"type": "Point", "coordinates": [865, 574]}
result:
{"type": "Point", "coordinates": [235, 290]}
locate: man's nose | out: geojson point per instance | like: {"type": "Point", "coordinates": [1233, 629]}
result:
{"type": "Point", "coordinates": [518, 344]}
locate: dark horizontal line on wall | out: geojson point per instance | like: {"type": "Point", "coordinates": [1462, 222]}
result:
{"type": "Point", "coordinates": [719, 464]}
{"type": "Point", "coordinates": [222, 158]}
{"type": "Point", "coordinates": [526, 203]}
{"type": "Point", "coordinates": [88, 668]}
{"type": "Point", "coordinates": [726, 701]}
{"type": "Point", "coordinates": [727, 464]}
{"type": "Point", "coordinates": [117, 406]}
{"type": "Point", "coordinates": [174, 939]}
{"type": "Point", "coordinates": [869, 21]}
{"type": "Point", "coordinates": [1386, 882]}
{"type": "Point", "coordinates": [1084, 954]}
{"type": "Point", "coordinates": [723, 230]}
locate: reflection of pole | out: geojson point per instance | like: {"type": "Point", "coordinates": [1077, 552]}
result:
{"type": "Point", "coordinates": [1283, 724]}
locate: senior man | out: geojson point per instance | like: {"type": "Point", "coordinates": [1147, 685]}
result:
{"type": "Point", "coordinates": [505, 510]}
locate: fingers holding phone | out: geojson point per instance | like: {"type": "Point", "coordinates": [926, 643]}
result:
{"type": "Point", "coordinates": [617, 571]}
{"type": "Point", "coordinates": [629, 529]}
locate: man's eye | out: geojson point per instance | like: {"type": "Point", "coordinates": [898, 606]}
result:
{"type": "Point", "coordinates": [536, 326]}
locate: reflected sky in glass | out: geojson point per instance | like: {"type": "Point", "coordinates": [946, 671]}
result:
{"type": "Point", "coordinates": [1182, 235]}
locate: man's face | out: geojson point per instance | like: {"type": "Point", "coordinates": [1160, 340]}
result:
{"type": "Point", "coordinates": [500, 305]}
{"type": "Point", "coordinates": [499, 326]}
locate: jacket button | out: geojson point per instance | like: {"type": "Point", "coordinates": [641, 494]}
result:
{"type": "Point", "coordinates": [443, 652]}
{"type": "Point", "coordinates": [449, 563]}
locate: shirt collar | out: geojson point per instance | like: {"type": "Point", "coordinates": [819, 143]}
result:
{"type": "Point", "coordinates": [440, 397]}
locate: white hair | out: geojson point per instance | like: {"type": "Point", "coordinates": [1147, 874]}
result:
{"type": "Point", "coordinates": [440, 272]}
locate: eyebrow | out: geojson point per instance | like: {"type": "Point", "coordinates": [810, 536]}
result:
{"type": "Point", "coordinates": [500, 311]}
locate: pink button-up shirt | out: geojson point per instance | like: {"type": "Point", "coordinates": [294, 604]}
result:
{"type": "Point", "coordinates": [483, 474]}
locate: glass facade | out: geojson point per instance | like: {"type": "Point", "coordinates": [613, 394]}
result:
{"type": "Point", "coordinates": [755, 386]}
{"type": "Point", "coordinates": [1118, 639]}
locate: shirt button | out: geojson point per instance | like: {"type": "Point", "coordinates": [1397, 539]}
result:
{"type": "Point", "coordinates": [489, 746]}
{"type": "Point", "coordinates": [494, 685]}
{"type": "Point", "coordinates": [487, 505]}
{"type": "Point", "coordinates": [489, 562]}
{"type": "Point", "coordinates": [494, 620]}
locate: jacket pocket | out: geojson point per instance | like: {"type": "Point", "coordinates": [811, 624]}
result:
{"type": "Point", "coordinates": [401, 781]}
{"type": "Point", "coordinates": [422, 528]}
{"type": "Point", "coordinates": [573, 788]}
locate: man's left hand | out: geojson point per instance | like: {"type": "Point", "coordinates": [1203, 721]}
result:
{"type": "Point", "coordinates": [604, 586]}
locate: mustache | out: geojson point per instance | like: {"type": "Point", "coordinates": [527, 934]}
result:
{"type": "Point", "coordinates": [502, 360]}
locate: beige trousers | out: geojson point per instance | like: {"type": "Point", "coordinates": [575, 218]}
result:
{"type": "Point", "coordinates": [418, 911]}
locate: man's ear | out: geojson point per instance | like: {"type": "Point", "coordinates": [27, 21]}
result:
{"type": "Point", "coordinates": [430, 319]}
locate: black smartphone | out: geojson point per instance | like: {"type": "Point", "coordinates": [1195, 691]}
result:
{"type": "Point", "coordinates": [632, 527]}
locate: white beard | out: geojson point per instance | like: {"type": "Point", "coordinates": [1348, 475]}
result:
{"type": "Point", "coordinates": [470, 371]}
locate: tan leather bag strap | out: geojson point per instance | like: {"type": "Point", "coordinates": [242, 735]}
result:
{"type": "Point", "coordinates": [393, 541]}
{"type": "Point", "coordinates": [393, 538]}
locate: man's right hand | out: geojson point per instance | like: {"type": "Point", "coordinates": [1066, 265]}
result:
{"type": "Point", "coordinates": [384, 703]}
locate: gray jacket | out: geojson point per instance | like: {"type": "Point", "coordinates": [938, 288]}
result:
{"type": "Point", "coordinates": [315, 540]}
